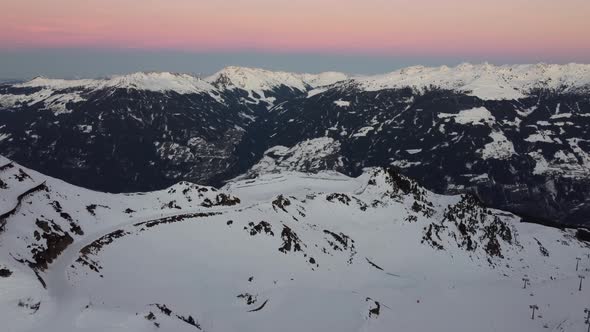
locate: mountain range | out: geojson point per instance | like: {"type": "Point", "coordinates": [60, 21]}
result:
{"type": "Point", "coordinates": [517, 137]}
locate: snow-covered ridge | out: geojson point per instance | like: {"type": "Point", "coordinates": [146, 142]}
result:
{"type": "Point", "coordinates": [250, 79]}
{"type": "Point", "coordinates": [152, 81]}
{"type": "Point", "coordinates": [56, 94]}
{"type": "Point", "coordinates": [485, 81]}
{"type": "Point", "coordinates": [256, 79]}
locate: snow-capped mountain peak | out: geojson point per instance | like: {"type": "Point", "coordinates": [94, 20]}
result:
{"type": "Point", "coordinates": [485, 80]}
{"type": "Point", "coordinates": [324, 78]}
{"type": "Point", "coordinates": [149, 81]}
{"type": "Point", "coordinates": [57, 94]}
{"type": "Point", "coordinates": [164, 81]}
{"type": "Point", "coordinates": [256, 79]}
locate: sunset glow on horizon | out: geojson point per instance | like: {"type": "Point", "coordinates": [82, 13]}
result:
{"type": "Point", "coordinates": [434, 27]}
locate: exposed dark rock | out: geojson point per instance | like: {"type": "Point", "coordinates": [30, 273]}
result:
{"type": "Point", "coordinates": [164, 309]}
{"type": "Point", "coordinates": [21, 176]}
{"type": "Point", "coordinates": [342, 198]}
{"type": "Point", "coordinates": [281, 202]}
{"type": "Point", "coordinates": [6, 166]}
{"type": "Point", "coordinates": [291, 241]}
{"type": "Point", "coordinates": [5, 272]}
{"type": "Point", "coordinates": [543, 250]}
{"type": "Point", "coordinates": [92, 208]}
{"type": "Point", "coordinates": [56, 241]}
{"type": "Point", "coordinates": [470, 225]}
{"type": "Point", "coordinates": [187, 319]}
{"type": "Point", "coordinates": [248, 298]}
{"type": "Point", "coordinates": [341, 238]}
{"type": "Point", "coordinates": [221, 200]}
{"type": "Point", "coordinates": [171, 205]}
{"type": "Point", "coordinates": [30, 304]}
{"type": "Point", "coordinates": [177, 218]}
{"type": "Point", "coordinates": [376, 310]}
{"type": "Point", "coordinates": [341, 242]}
{"type": "Point", "coordinates": [259, 228]}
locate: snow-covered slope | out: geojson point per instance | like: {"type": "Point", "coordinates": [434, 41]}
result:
{"type": "Point", "coordinates": [287, 251]}
{"type": "Point", "coordinates": [41, 218]}
{"type": "Point", "coordinates": [486, 81]}
{"type": "Point", "coordinates": [309, 156]}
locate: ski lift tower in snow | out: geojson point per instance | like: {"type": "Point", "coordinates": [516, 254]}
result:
{"type": "Point", "coordinates": [534, 307]}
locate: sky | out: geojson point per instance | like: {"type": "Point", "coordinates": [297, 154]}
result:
{"type": "Point", "coordinates": [100, 37]}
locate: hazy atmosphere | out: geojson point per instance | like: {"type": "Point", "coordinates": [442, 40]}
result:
{"type": "Point", "coordinates": [67, 38]}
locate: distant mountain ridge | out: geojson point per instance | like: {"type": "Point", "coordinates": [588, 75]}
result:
{"type": "Point", "coordinates": [518, 136]}
{"type": "Point", "coordinates": [486, 81]}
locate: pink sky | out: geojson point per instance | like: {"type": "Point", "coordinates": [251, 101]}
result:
{"type": "Point", "coordinates": [432, 27]}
